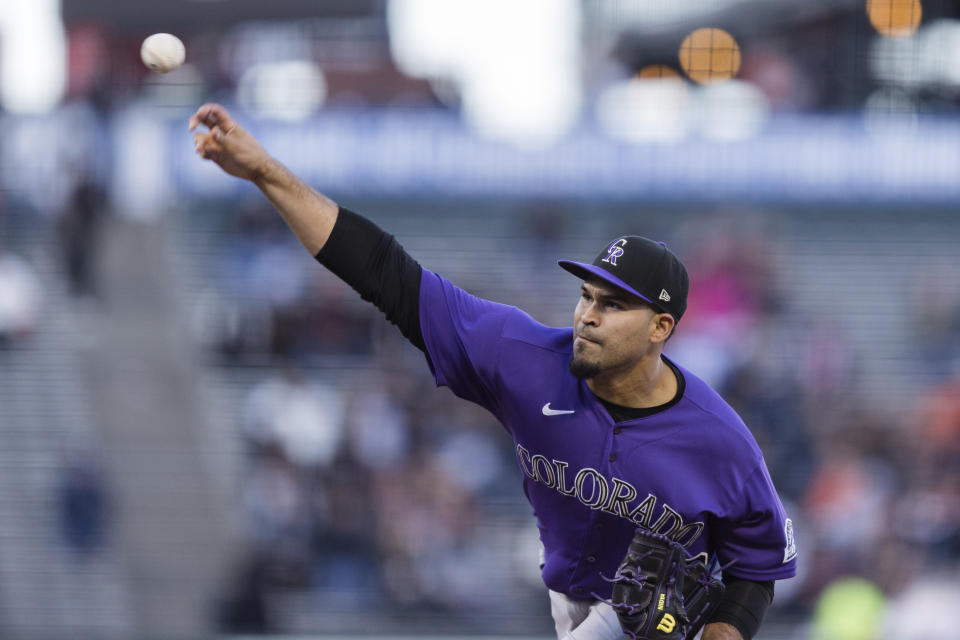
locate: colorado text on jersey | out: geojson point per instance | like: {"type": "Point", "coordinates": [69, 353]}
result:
{"type": "Point", "coordinates": [592, 489]}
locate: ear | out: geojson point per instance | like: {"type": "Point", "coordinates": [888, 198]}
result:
{"type": "Point", "coordinates": [661, 325]}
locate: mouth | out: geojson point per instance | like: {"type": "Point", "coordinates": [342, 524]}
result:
{"type": "Point", "coordinates": [583, 338]}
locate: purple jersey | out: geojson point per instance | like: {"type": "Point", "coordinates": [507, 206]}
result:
{"type": "Point", "coordinates": [692, 471]}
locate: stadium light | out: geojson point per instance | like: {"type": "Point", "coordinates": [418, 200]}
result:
{"type": "Point", "coordinates": [732, 110]}
{"type": "Point", "coordinates": [32, 56]}
{"type": "Point", "coordinates": [645, 110]}
{"type": "Point", "coordinates": [517, 64]}
{"type": "Point", "coordinates": [666, 110]}
{"type": "Point", "coordinates": [290, 90]}
{"type": "Point", "coordinates": [894, 18]}
{"type": "Point", "coordinates": [939, 52]}
{"type": "Point", "coordinates": [709, 55]}
{"type": "Point", "coordinates": [924, 59]}
{"type": "Point", "coordinates": [656, 71]}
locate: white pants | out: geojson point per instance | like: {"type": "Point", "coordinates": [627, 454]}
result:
{"type": "Point", "coordinates": [584, 619]}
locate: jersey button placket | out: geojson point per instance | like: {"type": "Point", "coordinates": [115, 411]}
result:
{"type": "Point", "coordinates": [613, 444]}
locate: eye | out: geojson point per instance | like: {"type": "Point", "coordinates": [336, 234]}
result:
{"type": "Point", "coordinates": [584, 295]}
{"type": "Point", "coordinates": [613, 305]}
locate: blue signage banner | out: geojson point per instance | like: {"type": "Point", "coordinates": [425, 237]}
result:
{"type": "Point", "coordinates": [811, 159]}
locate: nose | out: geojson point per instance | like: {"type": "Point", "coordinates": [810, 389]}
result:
{"type": "Point", "coordinates": [590, 315]}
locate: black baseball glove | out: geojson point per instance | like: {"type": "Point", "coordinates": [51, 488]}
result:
{"type": "Point", "coordinates": [659, 593]}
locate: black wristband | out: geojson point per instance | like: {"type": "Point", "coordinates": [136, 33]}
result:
{"type": "Point", "coordinates": [743, 604]}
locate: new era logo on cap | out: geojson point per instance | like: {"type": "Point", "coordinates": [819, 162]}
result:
{"type": "Point", "coordinates": [664, 295]}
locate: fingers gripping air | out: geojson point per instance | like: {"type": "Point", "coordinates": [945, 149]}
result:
{"type": "Point", "coordinates": [226, 142]}
{"type": "Point", "coordinates": [219, 124]}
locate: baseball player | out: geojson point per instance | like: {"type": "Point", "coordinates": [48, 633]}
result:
{"type": "Point", "coordinates": [609, 434]}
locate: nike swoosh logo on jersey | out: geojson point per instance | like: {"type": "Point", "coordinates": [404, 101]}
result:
{"type": "Point", "coordinates": [547, 411]}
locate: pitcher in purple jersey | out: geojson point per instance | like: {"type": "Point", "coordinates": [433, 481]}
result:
{"type": "Point", "coordinates": [609, 434]}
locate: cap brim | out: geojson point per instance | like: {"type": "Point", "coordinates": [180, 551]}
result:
{"type": "Point", "coordinates": [588, 271]}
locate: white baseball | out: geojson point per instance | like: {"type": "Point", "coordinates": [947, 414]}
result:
{"type": "Point", "coordinates": [162, 52]}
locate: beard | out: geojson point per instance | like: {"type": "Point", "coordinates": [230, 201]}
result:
{"type": "Point", "coordinates": [582, 368]}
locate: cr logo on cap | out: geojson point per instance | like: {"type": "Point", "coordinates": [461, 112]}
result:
{"type": "Point", "coordinates": [614, 251]}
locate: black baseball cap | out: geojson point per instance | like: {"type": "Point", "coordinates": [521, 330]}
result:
{"type": "Point", "coordinates": [643, 267]}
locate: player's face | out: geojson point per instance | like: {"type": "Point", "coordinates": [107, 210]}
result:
{"type": "Point", "coordinates": [612, 330]}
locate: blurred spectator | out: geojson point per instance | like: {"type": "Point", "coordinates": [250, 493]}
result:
{"type": "Point", "coordinates": [424, 519]}
{"type": "Point", "coordinates": [19, 298]}
{"type": "Point", "coordinates": [846, 502]}
{"type": "Point", "coordinates": [345, 559]}
{"type": "Point", "coordinates": [776, 74]}
{"type": "Point", "coordinates": [276, 508]}
{"type": "Point", "coordinates": [770, 405]}
{"type": "Point", "coordinates": [937, 426]}
{"type": "Point", "coordinates": [244, 609]}
{"type": "Point", "coordinates": [826, 361]}
{"type": "Point", "coordinates": [271, 305]}
{"type": "Point", "coordinates": [274, 499]}
{"type": "Point", "coordinates": [468, 454]}
{"type": "Point", "coordinates": [378, 433]}
{"type": "Point", "coordinates": [303, 418]}
{"type": "Point", "coordinates": [926, 610]}
{"type": "Point", "coordinates": [83, 504]}
{"type": "Point", "coordinates": [326, 320]}
{"type": "Point", "coordinates": [80, 233]}
{"type": "Point", "coordinates": [733, 287]}
{"type": "Point", "coordinates": [545, 224]}
{"type": "Point", "coordinates": [936, 300]}
{"type": "Point", "coordinates": [930, 516]}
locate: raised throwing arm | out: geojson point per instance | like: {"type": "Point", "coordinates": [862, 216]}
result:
{"type": "Point", "coordinates": [311, 215]}
{"type": "Point", "coordinates": [360, 253]}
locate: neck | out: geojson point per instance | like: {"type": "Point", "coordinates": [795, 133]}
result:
{"type": "Point", "coordinates": [648, 383]}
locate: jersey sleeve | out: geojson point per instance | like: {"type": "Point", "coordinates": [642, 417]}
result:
{"type": "Point", "coordinates": [757, 543]}
{"type": "Point", "coordinates": [372, 262]}
{"type": "Point", "coordinates": [463, 338]}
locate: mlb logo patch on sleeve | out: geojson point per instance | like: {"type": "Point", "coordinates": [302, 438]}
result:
{"type": "Point", "coordinates": [790, 551]}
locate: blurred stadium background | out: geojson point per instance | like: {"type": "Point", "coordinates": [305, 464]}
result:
{"type": "Point", "coordinates": [206, 434]}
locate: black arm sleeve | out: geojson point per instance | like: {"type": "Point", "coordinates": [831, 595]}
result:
{"type": "Point", "coordinates": [743, 604]}
{"type": "Point", "coordinates": [372, 262]}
